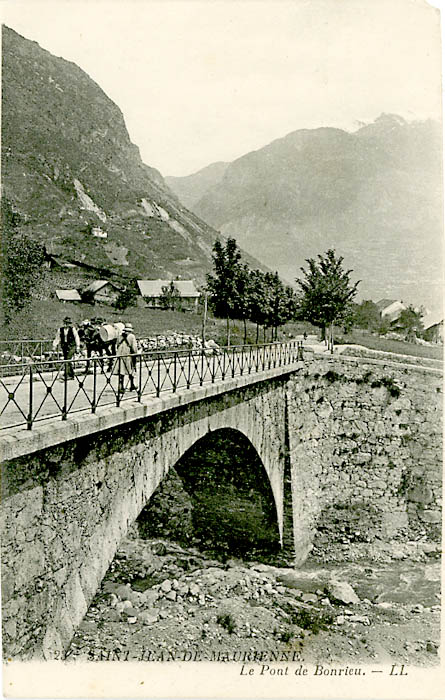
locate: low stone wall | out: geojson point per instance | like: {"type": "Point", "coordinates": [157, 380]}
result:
{"type": "Point", "coordinates": [366, 450]}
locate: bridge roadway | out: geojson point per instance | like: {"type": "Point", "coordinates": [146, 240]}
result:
{"type": "Point", "coordinates": [53, 399]}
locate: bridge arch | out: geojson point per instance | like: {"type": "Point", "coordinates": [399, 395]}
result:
{"type": "Point", "coordinates": [224, 493]}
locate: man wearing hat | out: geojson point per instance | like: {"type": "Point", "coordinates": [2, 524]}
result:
{"type": "Point", "coordinates": [125, 364]}
{"type": "Point", "coordinates": [68, 339]}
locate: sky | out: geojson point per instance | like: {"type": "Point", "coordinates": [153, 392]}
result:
{"type": "Point", "coordinates": [204, 81]}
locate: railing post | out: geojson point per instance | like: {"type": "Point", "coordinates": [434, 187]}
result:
{"type": "Point", "coordinates": [29, 420]}
{"type": "Point", "coordinates": [201, 378]}
{"type": "Point", "coordinates": [65, 389]}
{"type": "Point", "coordinates": [233, 362]}
{"type": "Point", "coordinates": [223, 371]}
{"type": "Point", "coordinates": [119, 382]}
{"type": "Point", "coordinates": [139, 358]}
{"type": "Point", "coordinates": [158, 385]}
{"type": "Point", "coordinates": [174, 371]}
{"type": "Point", "coordinates": [189, 369]}
{"type": "Point", "coordinates": [212, 371]}
{"type": "Point", "coordinates": [93, 407]}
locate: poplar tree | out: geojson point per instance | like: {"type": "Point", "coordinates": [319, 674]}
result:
{"type": "Point", "coordinates": [327, 293]}
{"type": "Point", "coordinates": [223, 284]}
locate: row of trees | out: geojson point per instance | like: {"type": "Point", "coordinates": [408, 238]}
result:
{"type": "Point", "coordinates": [325, 297]}
{"type": "Point", "coordinates": [237, 292]}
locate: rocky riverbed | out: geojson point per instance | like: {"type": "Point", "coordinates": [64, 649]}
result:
{"type": "Point", "coordinates": [163, 601]}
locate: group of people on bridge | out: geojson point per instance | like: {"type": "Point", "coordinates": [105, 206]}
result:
{"type": "Point", "coordinates": [116, 341]}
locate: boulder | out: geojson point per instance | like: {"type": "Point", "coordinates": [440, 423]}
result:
{"type": "Point", "coordinates": [148, 617]}
{"type": "Point", "coordinates": [130, 612]}
{"type": "Point", "coordinates": [309, 598]}
{"type": "Point", "coordinates": [149, 597]}
{"type": "Point", "coordinates": [300, 581]}
{"type": "Point", "coordinates": [166, 586]}
{"type": "Point", "coordinates": [342, 592]}
{"type": "Point", "coordinates": [194, 589]}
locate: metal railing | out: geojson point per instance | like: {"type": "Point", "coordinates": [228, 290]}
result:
{"type": "Point", "coordinates": [13, 352]}
{"type": "Point", "coordinates": [45, 390]}
{"type": "Point", "coordinates": [18, 351]}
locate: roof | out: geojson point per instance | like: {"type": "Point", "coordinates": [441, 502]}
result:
{"type": "Point", "coordinates": [393, 311]}
{"type": "Point", "coordinates": [153, 288]}
{"type": "Point", "coordinates": [432, 319]}
{"type": "Point", "coordinates": [68, 295]}
{"type": "Point", "coordinates": [187, 288]}
{"type": "Point", "coordinates": [95, 286]}
{"type": "Point", "coordinates": [384, 303]}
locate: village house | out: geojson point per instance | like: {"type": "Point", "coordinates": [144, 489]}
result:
{"type": "Point", "coordinates": [390, 309]}
{"type": "Point", "coordinates": [152, 291]}
{"type": "Point", "coordinates": [101, 291]}
{"type": "Point", "coordinates": [67, 295]}
{"type": "Point", "coordinates": [433, 328]}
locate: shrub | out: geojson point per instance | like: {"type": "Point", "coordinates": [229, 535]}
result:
{"type": "Point", "coordinates": [227, 621]}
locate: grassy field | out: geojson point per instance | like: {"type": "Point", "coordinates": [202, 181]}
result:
{"type": "Point", "coordinates": [365, 338]}
{"type": "Point", "coordinates": [41, 320]}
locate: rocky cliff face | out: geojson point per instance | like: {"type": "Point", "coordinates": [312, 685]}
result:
{"type": "Point", "coordinates": [69, 167]}
{"type": "Point", "coordinates": [375, 195]}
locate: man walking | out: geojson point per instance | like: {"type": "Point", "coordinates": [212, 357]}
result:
{"type": "Point", "coordinates": [68, 339]}
{"type": "Point", "coordinates": [125, 364]}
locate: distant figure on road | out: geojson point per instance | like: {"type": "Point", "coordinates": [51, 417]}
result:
{"type": "Point", "coordinates": [68, 339]}
{"type": "Point", "coordinates": [126, 365]}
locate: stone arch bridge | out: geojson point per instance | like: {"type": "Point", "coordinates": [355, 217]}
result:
{"type": "Point", "coordinates": [329, 432]}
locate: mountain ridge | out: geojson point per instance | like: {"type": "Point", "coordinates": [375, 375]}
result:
{"type": "Point", "coordinates": [70, 168]}
{"type": "Point", "coordinates": [372, 194]}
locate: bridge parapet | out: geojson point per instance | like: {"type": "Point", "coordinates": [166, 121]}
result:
{"type": "Point", "coordinates": [42, 390]}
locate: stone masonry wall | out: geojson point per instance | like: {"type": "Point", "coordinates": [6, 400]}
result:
{"type": "Point", "coordinates": [65, 509]}
{"type": "Point", "coordinates": [365, 441]}
{"type": "Point", "coordinates": [366, 435]}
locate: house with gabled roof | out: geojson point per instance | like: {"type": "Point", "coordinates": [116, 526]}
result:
{"type": "Point", "coordinates": [433, 327]}
{"type": "Point", "coordinates": [101, 291]}
{"type": "Point", "coordinates": [152, 291]}
{"type": "Point", "coordinates": [390, 309]}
